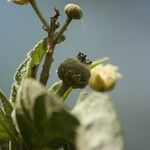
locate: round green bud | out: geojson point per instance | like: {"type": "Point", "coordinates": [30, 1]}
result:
{"type": "Point", "coordinates": [74, 73]}
{"type": "Point", "coordinates": [73, 11]}
{"type": "Point", "coordinates": [20, 2]}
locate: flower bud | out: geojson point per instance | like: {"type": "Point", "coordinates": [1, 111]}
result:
{"type": "Point", "coordinates": [73, 11]}
{"type": "Point", "coordinates": [74, 73]}
{"type": "Point", "coordinates": [20, 2]}
{"type": "Point", "coordinates": [104, 77]}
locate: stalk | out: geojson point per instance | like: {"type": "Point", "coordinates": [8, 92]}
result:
{"type": "Point", "coordinates": [39, 14]}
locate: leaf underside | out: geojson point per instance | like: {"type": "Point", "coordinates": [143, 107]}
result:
{"type": "Point", "coordinates": [100, 127]}
{"type": "Point", "coordinates": [7, 129]}
{"type": "Point", "coordinates": [40, 119]}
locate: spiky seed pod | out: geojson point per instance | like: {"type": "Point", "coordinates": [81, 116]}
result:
{"type": "Point", "coordinates": [104, 77]}
{"type": "Point", "coordinates": [73, 11]}
{"type": "Point", "coordinates": [74, 73]}
{"type": "Point", "coordinates": [19, 2]}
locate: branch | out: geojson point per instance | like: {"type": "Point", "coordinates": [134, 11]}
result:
{"type": "Point", "coordinates": [50, 48]}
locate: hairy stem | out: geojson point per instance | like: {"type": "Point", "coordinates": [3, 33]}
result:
{"type": "Point", "coordinates": [46, 66]}
{"type": "Point", "coordinates": [50, 48]}
{"type": "Point", "coordinates": [64, 27]}
{"type": "Point", "coordinates": [51, 43]}
{"type": "Point", "coordinates": [63, 88]}
{"type": "Point", "coordinates": [39, 14]}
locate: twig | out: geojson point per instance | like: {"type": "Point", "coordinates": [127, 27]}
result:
{"type": "Point", "coordinates": [39, 14]}
{"type": "Point", "coordinates": [64, 27]}
{"type": "Point", "coordinates": [50, 48]}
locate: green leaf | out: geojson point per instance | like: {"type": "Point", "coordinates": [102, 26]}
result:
{"type": "Point", "coordinates": [40, 118]}
{"type": "Point", "coordinates": [100, 127]}
{"type": "Point", "coordinates": [60, 144]}
{"type": "Point", "coordinates": [28, 66]}
{"type": "Point", "coordinates": [7, 106]}
{"type": "Point", "coordinates": [4, 145]}
{"type": "Point", "coordinates": [27, 130]}
{"type": "Point", "coordinates": [7, 129]}
{"type": "Point", "coordinates": [55, 86]}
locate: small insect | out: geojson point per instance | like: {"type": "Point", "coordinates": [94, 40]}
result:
{"type": "Point", "coordinates": [82, 57]}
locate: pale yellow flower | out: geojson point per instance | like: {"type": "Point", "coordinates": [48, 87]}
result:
{"type": "Point", "coordinates": [104, 77]}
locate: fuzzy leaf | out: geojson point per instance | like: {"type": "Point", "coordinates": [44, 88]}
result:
{"type": "Point", "coordinates": [40, 118]}
{"type": "Point", "coordinates": [7, 106]}
{"type": "Point", "coordinates": [55, 86]}
{"type": "Point", "coordinates": [100, 128]}
{"type": "Point", "coordinates": [26, 68]}
{"type": "Point", "coordinates": [7, 129]}
{"type": "Point", "coordinates": [61, 144]}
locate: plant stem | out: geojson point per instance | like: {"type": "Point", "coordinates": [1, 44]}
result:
{"type": "Point", "coordinates": [63, 88]}
{"type": "Point", "coordinates": [46, 66]}
{"type": "Point", "coordinates": [64, 27]}
{"type": "Point", "coordinates": [50, 48]}
{"type": "Point", "coordinates": [51, 43]}
{"type": "Point", "coordinates": [39, 14]}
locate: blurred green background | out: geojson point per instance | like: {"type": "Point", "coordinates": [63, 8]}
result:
{"type": "Point", "coordinates": [119, 29]}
